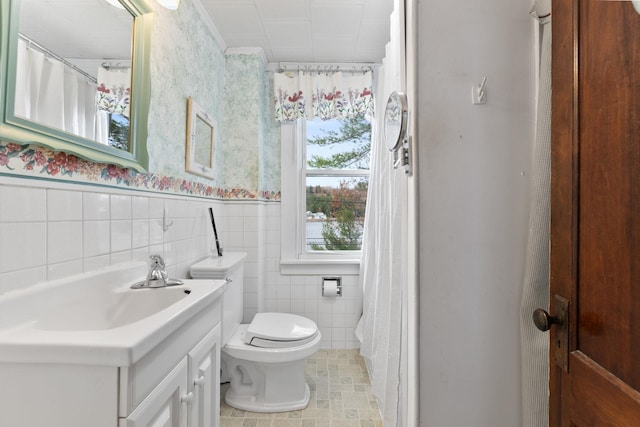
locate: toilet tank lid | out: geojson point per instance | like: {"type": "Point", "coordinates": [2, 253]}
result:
{"type": "Point", "coordinates": [215, 267]}
{"type": "Point", "coordinates": [280, 327]}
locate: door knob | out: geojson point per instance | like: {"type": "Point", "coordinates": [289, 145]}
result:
{"type": "Point", "coordinates": [544, 320]}
{"type": "Point", "coordinates": [559, 340]}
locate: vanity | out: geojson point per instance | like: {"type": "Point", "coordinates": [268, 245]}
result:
{"type": "Point", "coordinates": [90, 351]}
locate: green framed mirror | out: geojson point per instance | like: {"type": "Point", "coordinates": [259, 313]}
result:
{"type": "Point", "coordinates": [117, 132]}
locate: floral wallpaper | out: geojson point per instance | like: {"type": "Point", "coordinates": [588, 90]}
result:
{"type": "Point", "coordinates": [32, 161]}
{"type": "Point", "coordinates": [251, 148]}
{"type": "Point", "coordinates": [186, 60]}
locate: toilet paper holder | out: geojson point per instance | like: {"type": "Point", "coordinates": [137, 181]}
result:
{"type": "Point", "coordinates": [332, 286]}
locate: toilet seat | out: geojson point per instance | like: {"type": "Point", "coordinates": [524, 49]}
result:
{"type": "Point", "coordinates": [279, 330]}
{"type": "Point", "coordinates": [236, 347]}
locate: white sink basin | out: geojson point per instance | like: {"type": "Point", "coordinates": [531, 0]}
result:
{"type": "Point", "coordinates": [112, 310]}
{"type": "Point", "coordinates": [96, 318]}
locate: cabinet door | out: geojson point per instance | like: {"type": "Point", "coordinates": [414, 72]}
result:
{"type": "Point", "coordinates": [166, 404]}
{"type": "Point", "coordinates": [204, 377]}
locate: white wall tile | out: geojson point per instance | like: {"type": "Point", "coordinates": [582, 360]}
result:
{"type": "Point", "coordinates": [64, 205]}
{"type": "Point", "coordinates": [139, 207]}
{"type": "Point", "coordinates": [156, 206]}
{"type": "Point", "coordinates": [96, 238]}
{"type": "Point", "coordinates": [120, 235]}
{"type": "Point", "coordinates": [22, 245]}
{"type": "Point", "coordinates": [95, 206]}
{"type": "Point", "coordinates": [22, 204]}
{"type": "Point", "coordinates": [102, 229]}
{"type": "Point", "coordinates": [64, 242]}
{"type": "Point", "coordinates": [235, 223]}
{"type": "Point", "coordinates": [120, 257]}
{"type": "Point", "coordinates": [140, 233]}
{"type": "Point", "coordinates": [156, 234]}
{"type": "Point", "coordinates": [120, 206]}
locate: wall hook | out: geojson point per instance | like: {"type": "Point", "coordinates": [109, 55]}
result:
{"type": "Point", "coordinates": [165, 220]}
{"type": "Point", "coordinates": [479, 93]}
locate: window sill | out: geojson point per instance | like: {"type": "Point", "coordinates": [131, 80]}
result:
{"type": "Point", "coordinates": [320, 266]}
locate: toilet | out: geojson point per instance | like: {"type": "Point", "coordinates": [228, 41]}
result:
{"type": "Point", "coordinates": [264, 360]}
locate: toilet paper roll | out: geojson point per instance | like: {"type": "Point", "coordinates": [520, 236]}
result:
{"type": "Point", "coordinates": [330, 288]}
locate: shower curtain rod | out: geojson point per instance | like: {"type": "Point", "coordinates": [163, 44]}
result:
{"type": "Point", "coordinates": [49, 53]}
{"type": "Point", "coordinates": [117, 66]}
{"type": "Point", "coordinates": [319, 67]}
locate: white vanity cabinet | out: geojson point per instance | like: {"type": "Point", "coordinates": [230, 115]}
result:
{"type": "Point", "coordinates": [164, 406]}
{"type": "Point", "coordinates": [188, 395]}
{"type": "Point", "coordinates": [170, 382]}
{"type": "Point", "coordinates": [204, 381]}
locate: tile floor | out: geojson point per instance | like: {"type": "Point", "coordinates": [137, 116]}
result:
{"type": "Point", "coordinates": [340, 397]}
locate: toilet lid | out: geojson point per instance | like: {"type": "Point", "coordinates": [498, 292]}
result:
{"type": "Point", "coordinates": [276, 330]}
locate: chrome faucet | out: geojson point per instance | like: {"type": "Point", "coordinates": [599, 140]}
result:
{"type": "Point", "coordinates": [157, 277]}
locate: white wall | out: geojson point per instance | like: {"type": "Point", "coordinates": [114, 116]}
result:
{"type": "Point", "coordinates": [473, 178]}
{"type": "Point", "coordinates": [50, 230]}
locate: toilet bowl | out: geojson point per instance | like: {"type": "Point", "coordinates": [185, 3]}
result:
{"type": "Point", "coordinates": [263, 360]}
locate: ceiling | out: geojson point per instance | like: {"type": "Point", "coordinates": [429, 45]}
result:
{"type": "Point", "coordinates": [325, 31]}
{"type": "Point", "coordinates": [302, 31]}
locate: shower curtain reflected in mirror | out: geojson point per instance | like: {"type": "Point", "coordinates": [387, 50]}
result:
{"type": "Point", "coordinates": [53, 94]}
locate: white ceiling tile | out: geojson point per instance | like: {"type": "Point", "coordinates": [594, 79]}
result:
{"type": "Point", "coordinates": [336, 19]}
{"type": "Point", "coordinates": [287, 30]}
{"type": "Point", "coordinates": [289, 34]}
{"type": "Point", "coordinates": [325, 47]}
{"type": "Point", "coordinates": [278, 10]}
{"type": "Point", "coordinates": [375, 9]}
{"type": "Point", "coordinates": [293, 55]}
{"type": "Point", "coordinates": [237, 18]}
{"type": "Point", "coordinates": [373, 35]}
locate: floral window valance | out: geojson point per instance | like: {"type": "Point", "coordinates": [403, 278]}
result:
{"type": "Point", "coordinates": [300, 94]}
{"type": "Point", "coordinates": [114, 91]}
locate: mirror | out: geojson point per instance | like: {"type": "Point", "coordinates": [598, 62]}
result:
{"type": "Point", "coordinates": [76, 77]}
{"type": "Point", "coordinates": [200, 141]}
{"type": "Point", "coordinates": [395, 120]}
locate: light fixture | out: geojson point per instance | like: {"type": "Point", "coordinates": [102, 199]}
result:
{"type": "Point", "coordinates": [170, 4]}
{"type": "Point", "coordinates": [115, 3]}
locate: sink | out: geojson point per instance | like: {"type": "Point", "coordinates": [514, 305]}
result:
{"type": "Point", "coordinates": [109, 311]}
{"type": "Point", "coordinates": [96, 318]}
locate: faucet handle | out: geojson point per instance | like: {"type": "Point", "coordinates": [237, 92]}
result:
{"type": "Point", "coordinates": [157, 276]}
{"type": "Point", "coordinates": [156, 262]}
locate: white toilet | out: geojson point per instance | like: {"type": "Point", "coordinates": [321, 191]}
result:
{"type": "Point", "coordinates": [264, 360]}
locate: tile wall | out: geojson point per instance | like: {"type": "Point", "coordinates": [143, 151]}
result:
{"type": "Point", "coordinates": [50, 230]}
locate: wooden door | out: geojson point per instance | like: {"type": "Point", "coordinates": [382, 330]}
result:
{"type": "Point", "coordinates": [595, 218]}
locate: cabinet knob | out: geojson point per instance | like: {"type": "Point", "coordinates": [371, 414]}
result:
{"type": "Point", "coordinates": [199, 382]}
{"type": "Point", "coordinates": [187, 398]}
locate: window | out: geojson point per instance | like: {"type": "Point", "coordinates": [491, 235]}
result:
{"type": "Point", "coordinates": [325, 176]}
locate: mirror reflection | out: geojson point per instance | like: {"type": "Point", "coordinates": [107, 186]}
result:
{"type": "Point", "coordinates": [74, 68]}
{"type": "Point", "coordinates": [395, 120]}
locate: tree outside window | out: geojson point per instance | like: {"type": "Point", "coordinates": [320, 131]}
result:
{"type": "Point", "coordinates": [337, 170]}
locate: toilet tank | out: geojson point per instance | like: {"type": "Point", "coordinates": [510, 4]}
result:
{"type": "Point", "coordinates": [230, 267]}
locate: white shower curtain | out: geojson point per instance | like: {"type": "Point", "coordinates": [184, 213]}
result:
{"type": "Point", "coordinates": [53, 94]}
{"type": "Point", "coordinates": [535, 294]}
{"type": "Point", "coordinates": [384, 267]}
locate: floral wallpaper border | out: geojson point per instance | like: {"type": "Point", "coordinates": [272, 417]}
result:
{"type": "Point", "coordinates": [38, 161]}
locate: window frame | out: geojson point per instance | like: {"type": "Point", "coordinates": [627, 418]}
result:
{"type": "Point", "coordinates": [295, 259]}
